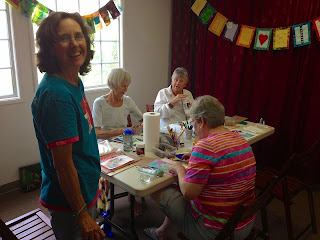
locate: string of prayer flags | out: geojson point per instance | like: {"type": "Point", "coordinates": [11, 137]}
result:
{"type": "Point", "coordinates": [316, 27]}
{"type": "Point", "coordinates": [26, 7]}
{"type": "Point", "coordinates": [231, 31]}
{"type": "Point", "coordinates": [301, 34]}
{"type": "Point", "coordinates": [112, 9]}
{"type": "Point", "coordinates": [96, 20]}
{"type": "Point", "coordinates": [207, 13]}
{"type": "Point", "coordinates": [89, 21]}
{"type": "Point", "coordinates": [281, 38]}
{"type": "Point", "coordinates": [217, 24]}
{"type": "Point", "coordinates": [37, 12]}
{"type": "Point", "coordinates": [263, 39]}
{"type": "Point", "coordinates": [197, 6]}
{"type": "Point", "coordinates": [40, 13]}
{"type": "Point", "coordinates": [105, 15]}
{"type": "Point", "coordinates": [245, 36]}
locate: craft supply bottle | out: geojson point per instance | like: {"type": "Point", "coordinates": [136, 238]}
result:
{"type": "Point", "coordinates": [127, 140]}
{"type": "Point", "coordinates": [140, 148]}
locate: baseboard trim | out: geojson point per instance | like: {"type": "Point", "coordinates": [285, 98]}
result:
{"type": "Point", "coordinates": [9, 187]}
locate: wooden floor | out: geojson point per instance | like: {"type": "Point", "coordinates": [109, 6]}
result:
{"type": "Point", "coordinates": [16, 203]}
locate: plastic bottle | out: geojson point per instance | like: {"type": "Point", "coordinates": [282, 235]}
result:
{"type": "Point", "coordinates": [127, 140]}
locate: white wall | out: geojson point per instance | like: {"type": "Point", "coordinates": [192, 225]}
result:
{"type": "Point", "coordinates": [146, 51]}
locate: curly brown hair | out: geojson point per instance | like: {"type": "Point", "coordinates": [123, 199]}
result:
{"type": "Point", "coordinates": [45, 40]}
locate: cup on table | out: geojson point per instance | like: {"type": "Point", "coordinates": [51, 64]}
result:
{"type": "Point", "coordinates": [188, 134]}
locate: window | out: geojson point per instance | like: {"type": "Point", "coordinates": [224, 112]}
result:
{"type": "Point", "coordinates": [8, 86]}
{"type": "Point", "coordinates": [106, 41]}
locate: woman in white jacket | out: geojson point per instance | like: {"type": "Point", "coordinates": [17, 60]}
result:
{"type": "Point", "coordinates": [173, 103]}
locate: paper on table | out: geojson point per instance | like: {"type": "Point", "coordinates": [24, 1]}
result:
{"type": "Point", "coordinates": [253, 129]}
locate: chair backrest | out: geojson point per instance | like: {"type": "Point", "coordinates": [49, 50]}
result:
{"type": "Point", "coordinates": [300, 158]}
{"type": "Point", "coordinates": [5, 232]}
{"type": "Point", "coordinates": [32, 225]}
{"type": "Point", "coordinates": [247, 210]}
{"type": "Point", "coordinates": [150, 107]}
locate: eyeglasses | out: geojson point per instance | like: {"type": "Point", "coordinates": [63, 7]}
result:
{"type": "Point", "coordinates": [66, 39]}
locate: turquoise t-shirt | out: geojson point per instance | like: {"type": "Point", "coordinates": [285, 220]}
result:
{"type": "Point", "coordinates": [61, 115]}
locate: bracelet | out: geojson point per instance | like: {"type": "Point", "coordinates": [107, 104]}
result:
{"type": "Point", "coordinates": [76, 214]}
{"type": "Point", "coordinates": [170, 105]}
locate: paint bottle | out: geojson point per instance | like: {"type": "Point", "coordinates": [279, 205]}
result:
{"type": "Point", "coordinates": [140, 148]}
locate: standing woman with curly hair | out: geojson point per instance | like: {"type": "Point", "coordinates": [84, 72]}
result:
{"type": "Point", "coordinates": [64, 128]}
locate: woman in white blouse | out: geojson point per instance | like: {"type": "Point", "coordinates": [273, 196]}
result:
{"type": "Point", "coordinates": [174, 102]}
{"type": "Point", "coordinates": [110, 111]}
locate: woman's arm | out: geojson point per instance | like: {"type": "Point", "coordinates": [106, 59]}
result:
{"type": "Point", "coordinates": [69, 182]}
{"type": "Point", "coordinates": [189, 190]}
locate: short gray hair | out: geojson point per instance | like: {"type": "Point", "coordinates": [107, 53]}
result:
{"type": "Point", "coordinates": [210, 109]}
{"type": "Point", "coordinates": [117, 78]}
{"type": "Point", "coordinates": [181, 72]}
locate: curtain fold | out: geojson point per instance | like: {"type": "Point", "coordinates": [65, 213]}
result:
{"type": "Point", "coordinates": [282, 86]}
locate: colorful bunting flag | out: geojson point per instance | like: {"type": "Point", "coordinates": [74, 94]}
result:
{"type": "Point", "coordinates": [281, 38]}
{"type": "Point", "coordinates": [96, 20]}
{"type": "Point", "coordinates": [26, 7]}
{"type": "Point", "coordinates": [40, 13]}
{"type": "Point", "coordinates": [230, 31]}
{"type": "Point", "coordinates": [316, 27]}
{"type": "Point", "coordinates": [301, 34]}
{"type": "Point", "coordinates": [263, 36]}
{"type": "Point", "coordinates": [118, 4]}
{"type": "Point", "coordinates": [207, 13]}
{"type": "Point", "coordinates": [89, 20]}
{"type": "Point", "coordinates": [112, 9]}
{"type": "Point", "coordinates": [217, 24]}
{"type": "Point", "coordinates": [14, 3]}
{"type": "Point", "coordinates": [105, 15]}
{"type": "Point", "coordinates": [197, 6]}
{"type": "Point", "coordinates": [245, 36]}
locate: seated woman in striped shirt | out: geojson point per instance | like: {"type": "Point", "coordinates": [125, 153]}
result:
{"type": "Point", "coordinates": [220, 176]}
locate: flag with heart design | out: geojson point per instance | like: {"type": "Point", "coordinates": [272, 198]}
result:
{"type": "Point", "coordinates": [263, 38]}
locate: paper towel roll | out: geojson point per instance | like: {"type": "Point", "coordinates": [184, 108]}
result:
{"type": "Point", "coordinates": [151, 130]}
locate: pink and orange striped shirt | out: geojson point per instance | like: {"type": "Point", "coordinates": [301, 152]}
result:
{"type": "Point", "coordinates": [226, 165]}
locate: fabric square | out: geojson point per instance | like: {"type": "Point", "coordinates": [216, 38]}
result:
{"type": "Point", "coordinates": [231, 31]}
{"type": "Point", "coordinates": [14, 3]}
{"type": "Point", "coordinates": [316, 27]}
{"type": "Point", "coordinates": [245, 36]}
{"type": "Point", "coordinates": [263, 37]}
{"type": "Point", "coordinates": [207, 13]}
{"type": "Point", "coordinates": [301, 34]}
{"type": "Point", "coordinates": [217, 24]}
{"type": "Point", "coordinates": [197, 6]}
{"type": "Point", "coordinates": [112, 9]}
{"type": "Point", "coordinates": [96, 21]}
{"type": "Point", "coordinates": [105, 15]}
{"type": "Point", "coordinates": [26, 7]}
{"type": "Point", "coordinates": [89, 20]}
{"type": "Point", "coordinates": [40, 13]}
{"type": "Point", "coordinates": [281, 38]}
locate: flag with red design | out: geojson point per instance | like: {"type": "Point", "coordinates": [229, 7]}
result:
{"type": "Point", "coordinates": [263, 38]}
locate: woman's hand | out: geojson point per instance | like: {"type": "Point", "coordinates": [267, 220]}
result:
{"type": "Point", "coordinates": [90, 229]}
{"type": "Point", "coordinates": [186, 156]}
{"type": "Point", "coordinates": [133, 128]}
{"type": "Point", "coordinates": [177, 168]}
{"type": "Point", "coordinates": [178, 98]}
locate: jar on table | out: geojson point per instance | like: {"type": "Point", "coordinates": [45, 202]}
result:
{"type": "Point", "coordinates": [127, 140]}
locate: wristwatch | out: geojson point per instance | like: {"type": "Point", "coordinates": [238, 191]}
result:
{"type": "Point", "coordinates": [170, 105]}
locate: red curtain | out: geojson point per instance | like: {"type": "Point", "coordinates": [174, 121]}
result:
{"type": "Point", "coordinates": [282, 87]}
